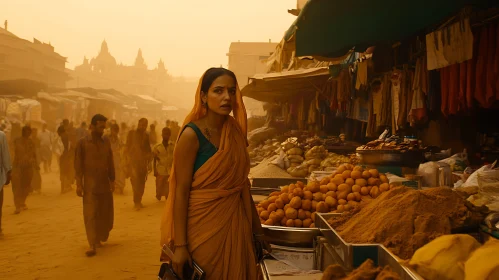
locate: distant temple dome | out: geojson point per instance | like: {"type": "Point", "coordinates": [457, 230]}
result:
{"type": "Point", "coordinates": [104, 61]}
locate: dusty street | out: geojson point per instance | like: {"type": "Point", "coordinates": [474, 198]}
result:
{"type": "Point", "coordinates": [48, 240]}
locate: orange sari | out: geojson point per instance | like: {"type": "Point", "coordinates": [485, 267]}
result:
{"type": "Point", "coordinates": [219, 224]}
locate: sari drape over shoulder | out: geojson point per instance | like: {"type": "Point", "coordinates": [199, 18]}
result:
{"type": "Point", "coordinates": [219, 224]}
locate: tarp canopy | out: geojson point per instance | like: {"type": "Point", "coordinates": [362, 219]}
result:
{"type": "Point", "coordinates": [74, 94]}
{"type": "Point", "coordinates": [278, 87]}
{"type": "Point", "coordinates": [24, 87]}
{"type": "Point", "coordinates": [147, 99]}
{"type": "Point", "coordinates": [169, 108]}
{"type": "Point", "coordinates": [331, 28]}
{"type": "Point", "coordinates": [48, 97]}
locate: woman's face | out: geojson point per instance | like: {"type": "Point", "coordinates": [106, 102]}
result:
{"type": "Point", "coordinates": [221, 96]}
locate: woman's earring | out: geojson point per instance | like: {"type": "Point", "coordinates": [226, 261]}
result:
{"type": "Point", "coordinates": [205, 104]}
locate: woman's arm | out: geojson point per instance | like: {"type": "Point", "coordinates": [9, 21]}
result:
{"type": "Point", "coordinates": [184, 158]}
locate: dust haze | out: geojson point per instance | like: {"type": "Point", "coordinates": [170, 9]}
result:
{"type": "Point", "coordinates": [61, 63]}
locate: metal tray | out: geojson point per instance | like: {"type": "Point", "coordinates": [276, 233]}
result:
{"type": "Point", "coordinates": [291, 237]}
{"type": "Point", "coordinates": [391, 157]}
{"type": "Point", "coordinates": [263, 191]}
{"type": "Point", "coordinates": [351, 255]}
{"type": "Point", "coordinates": [274, 182]}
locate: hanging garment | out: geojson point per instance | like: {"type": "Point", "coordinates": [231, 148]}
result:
{"type": "Point", "coordinates": [417, 111]}
{"type": "Point", "coordinates": [333, 101]}
{"type": "Point", "coordinates": [481, 66]}
{"type": "Point", "coordinates": [312, 112]}
{"type": "Point", "coordinates": [490, 91]}
{"type": "Point", "coordinates": [444, 88]}
{"type": "Point", "coordinates": [424, 75]}
{"type": "Point", "coordinates": [462, 105]}
{"type": "Point", "coordinates": [410, 93]}
{"type": "Point", "coordinates": [471, 74]}
{"type": "Point", "coordinates": [371, 119]}
{"type": "Point", "coordinates": [433, 97]}
{"type": "Point", "coordinates": [405, 89]}
{"type": "Point", "coordinates": [377, 100]}
{"type": "Point", "coordinates": [435, 51]}
{"type": "Point", "coordinates": [450, 45]}
{"type": "Point", "coordinates": [396, 82]}
{"type": "Point", "coordinates": [301, 118]}
{"type": "Point", "coordinates": [361, 74]}
{"type": "Point", "coordinates": [453, 93]}
{"type": "Point", "coordinates": [386, 110]}
{"type": "Point", "coordinates": [496, 63]}
{"type": "Point", "coordinates": [344, 86]}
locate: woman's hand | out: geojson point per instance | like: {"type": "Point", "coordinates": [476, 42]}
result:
{"type": "Point", "coordinates": [181, 257]}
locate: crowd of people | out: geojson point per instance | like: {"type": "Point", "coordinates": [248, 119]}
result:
{"type": "Point", "coordinates": [209, 215]}
{"type": "Point", "coordinates": [133, 153]}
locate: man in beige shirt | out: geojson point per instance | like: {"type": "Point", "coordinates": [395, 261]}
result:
{"type": "Point", "coordinates": [163, 160]}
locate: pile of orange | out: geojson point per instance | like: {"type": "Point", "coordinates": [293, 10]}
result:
{"type": "Point", "coordinates": [295, 205]}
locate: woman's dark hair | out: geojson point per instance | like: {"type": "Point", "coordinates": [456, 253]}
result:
{"type": "Point", "coordinates": [212, 74]}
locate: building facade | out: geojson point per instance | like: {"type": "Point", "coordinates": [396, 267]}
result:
{"type": "Point", "coordinates": [247, 59]}
{"type": "Point", "coordinates": [104, 72]}
{"type": "Point", "coordinates": [37, 61]}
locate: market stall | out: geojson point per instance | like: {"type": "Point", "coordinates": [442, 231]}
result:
{"type": "Point", "coordinates": [421, 97]}
{"type": "Point", "coordinates": [351, 222]}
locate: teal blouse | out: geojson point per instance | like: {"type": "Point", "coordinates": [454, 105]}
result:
{"type": "Point", "coordinates": [206, 148]}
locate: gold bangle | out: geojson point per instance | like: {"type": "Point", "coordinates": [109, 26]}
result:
{"type": "Point", "coordinates": [180, 245]}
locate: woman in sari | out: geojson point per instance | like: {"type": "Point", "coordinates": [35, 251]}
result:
{"type": "Point", "coordinates": [210, 215]}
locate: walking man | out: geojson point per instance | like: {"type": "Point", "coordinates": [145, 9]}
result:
{"type": "Point", "coordinates": [81, 131]}
{"type": "Point", "coordinates": [65, 167]}
{"type": "Point", "coordinates": [22, 170]}
{"type": "Point", "coordinates": [138, 151]}
{"type": "Point", "coordinates": [117, 147]}
{"type": "Point", "coordinates": [46, 148]}
{"type": "Point", "coordinates": [95, 183]}
{"type": "Point", "coordinates": [163, 160]}
{"type": "Point", "coordinates": [36, 182]}
{"type": "Point", "coordinates": [5, 169]}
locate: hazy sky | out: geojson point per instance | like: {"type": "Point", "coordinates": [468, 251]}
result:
{"type": "Point", "coordinates": [189, 35]}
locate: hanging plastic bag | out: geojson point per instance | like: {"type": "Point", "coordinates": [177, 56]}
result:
{"type": "Point", "coordinates": [457, 162]}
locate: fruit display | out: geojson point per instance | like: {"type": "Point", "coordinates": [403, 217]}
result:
{"type": "Point", "coordinates": [296, 204]}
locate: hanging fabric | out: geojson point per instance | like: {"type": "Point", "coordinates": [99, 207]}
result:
{"type": "Point", "coordinates": [481, 66]}
{"type": "Point", "coordinates": [361, 74]}
{"type": "Point", "coordinates": [450, 45]}
{"type": "Point", "coordinates": [396, 82]}
{"type": "Point", "coordinates": [490, 90]}
{"type": "Point", "coordinates": [417, 111]}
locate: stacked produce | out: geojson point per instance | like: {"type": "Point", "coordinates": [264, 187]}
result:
{"type": "Point", "coordinates": [393, 143]}
{"type": "Point", "coordinates": [298, 157]}
{"type": "Point", "coordinates": [261, 152]}
{"type": "Point", "coordinates": [405, 219]}
{"type": "Point", "coordinates": [265, 169]}
{"type": "Point", "coordinates": [334, 160]}
{"type": "Point", "coordinates": [456, 257]}
{"type": "Point", "coordinates": [296, 204]}
{"type": "Point", "coordinates": [366, 271]}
